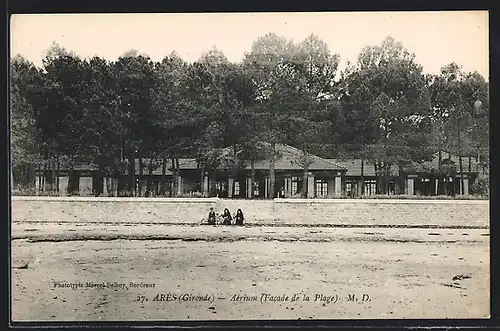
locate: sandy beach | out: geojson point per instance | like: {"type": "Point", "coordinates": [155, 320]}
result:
{"type": "Point", "coordinates": [161, 272]}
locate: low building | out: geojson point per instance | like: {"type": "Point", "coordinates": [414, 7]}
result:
{"type": "Point", "coordinates": [323, 178]}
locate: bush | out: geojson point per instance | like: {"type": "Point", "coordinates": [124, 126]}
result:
{"type": "Point", "coordinates": [191, 195]}
{"type": "Point", "coordinates": [481, 185]}
{"type": "Point", "coordinates": [24, 191]}
{"type": "Point", "coordinates": [425, 197]}
{"type": "Point", "coordinates": [406, 197]}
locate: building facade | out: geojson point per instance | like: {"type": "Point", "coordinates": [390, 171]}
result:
{"type": "Point", "coordinates": [323, 178]}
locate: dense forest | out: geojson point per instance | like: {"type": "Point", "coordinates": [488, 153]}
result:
{"type": "Point", "coordinates": [382, 109]}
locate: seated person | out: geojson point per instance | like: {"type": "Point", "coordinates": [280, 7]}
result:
{"type": "Point", "coordinates": [227, 217]}
{"type": "Point", "coordinates": [211, 217]}
{"type": "Point", "coordinates": [239, 217]}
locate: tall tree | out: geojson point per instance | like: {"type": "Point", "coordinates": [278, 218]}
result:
{"type": "Point", "coordinates": [392, 84]}
{"type": "Point", "coordinates": [270, 66]}
{"type": "Point", "coordinates": [458, 99]}
{"type": "Point", "coordinates": [315, 89]}
{"type": "Point", "coordinates": [172, 115]}
{"type": "Point", "coordinates": [60, 116]}
{"type": "Point", "coordinates": [25, 80]}
{"type": "Point", "coordinates": [135, 79]}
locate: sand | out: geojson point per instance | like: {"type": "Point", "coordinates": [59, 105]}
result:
{"type": "Point", "coordinates": [345, 273]}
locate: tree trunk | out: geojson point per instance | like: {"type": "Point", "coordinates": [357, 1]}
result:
{"type": "Point", "coordinates": [460, 164]}
{"type": "Point", "coordinates": [54, 178]}
{"type": "Point", "coordinates": [478, 158]}
{"type": "Point", "coordinates": [58, 167]}
{"type": "Point", "coordinates": [40, 175]}
{"type": "Point", "coordinates": [377, 178]}
{"type": "Point", "coordinates": [399, 179]}
{"type": "Point", "coordinates": [202, 180]}
{"type": "Point", "coordinates": [272, 175]}
{"type": "Point", "coordinates": [362, 177]}
{"type": "Point", "coordinates": [149, 183]}
{"type": "Point", "coordinates": [141, 170]}
{"type": "Point", "coordinates": [212, 183]}
{"type": "Point", "coordinates": [303, 190]}
{"type": "Point", "coordinates": [72, 180]}
{"type": "Point", "coordinates": [174, 178]}
{"type": "Point", "coordinates": [31, 181]}
{"type": "Point", "coordinates": [387, 177]}
{"type": "Point", "coordinates": [252, 178]}
{"type": "Point", "coordinates": [163, 182]}
{"type": "Point", "coordinates": [131, 173]}
{"type": "Point", "coordinates": [109, 188]}
{"type": "Point", "coordinates": [178, 172]}
{"type": "Point", "coordinates": [112, 179]}
{"type": "Point", "coordinates": [44, 177]}
{"type": "Point", "coordinates": [440, 175]}
{"type": "Point", "coordinates": [445, 184]}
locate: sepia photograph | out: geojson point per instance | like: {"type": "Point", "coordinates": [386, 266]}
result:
{"type": "Point", "coordinates": [249, 166]}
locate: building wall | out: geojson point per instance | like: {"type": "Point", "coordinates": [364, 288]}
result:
{"type": "Point", "coordinates": [349, 185]}
{"type": "Point", "coordinates": [280, 211]}
{"type": "Point", "coordinates": [85, 187]}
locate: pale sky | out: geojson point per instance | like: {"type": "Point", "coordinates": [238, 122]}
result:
{"type": "Point", "coordinates": [436, 38]}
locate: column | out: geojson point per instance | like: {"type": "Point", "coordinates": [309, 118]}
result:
{"type": "Point", "coordinates": [205, 185]}
{"type": "Point", "coordinates": [288, 187]}
{"type": "Point", "coordinates": [180, 188]}
{"type": "Point", "coordinates": [104, 186]}
{"type": "Point", "coordinates": [466, 186]}
{"type": "Point", "coordinates": [266, 187]}
{"type": "Point", "coordinates": [338, 184]}
{"type": "Point", "coordinates": [436, 185]}
{"type": "Point", "coordinates": [37, 183]}
{"type": "Point", "coordinates": [411, 187]}
{"type": "Point", "coordinates": [331, 187]}
{"type": "Point", "coordinates": [230, 186]}
{"type": "Point", "coordinates": [310, 185]}
{"type": "Point", "coordinates": [249, 187]}
{"type": "Point", "coordinates": [63, 184]}
{"type": "Point", "coordinates": [211, 183]}
{"type": "Point", "coordinates": [360, 187]}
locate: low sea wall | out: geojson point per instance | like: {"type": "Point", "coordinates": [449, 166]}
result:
{"type": "Point", "coordinates": [320, 212]}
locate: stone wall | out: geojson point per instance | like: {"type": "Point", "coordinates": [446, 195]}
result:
{"type": "Point", "coordinates": [468, 213]}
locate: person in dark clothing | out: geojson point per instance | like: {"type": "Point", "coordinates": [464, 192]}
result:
{"type": "Point", "coordinates": [227, 217]}
{"type": "Point", "coordinates": [239, 218]}
{"type": "Point", "coordinates": [211, 217]}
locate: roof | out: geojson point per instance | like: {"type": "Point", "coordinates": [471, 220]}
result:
{"type": "Point", "coordinates": [434, 162]}
{"type": "Point", "coordinates": [354, 167]}
{"type": "Point", "coordinates": [157, 168]}
{"type": "Point", "coordinates": [289, 159]}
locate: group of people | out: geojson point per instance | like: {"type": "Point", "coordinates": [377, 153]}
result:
{"type": "Point", "coordinates": [226, 218]}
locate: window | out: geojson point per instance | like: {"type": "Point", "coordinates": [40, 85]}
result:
{"type": "Point", "coordinates": [220, 186]}
{"type": "Point", "coordinates": [370, 187]}
{"type": "Point", "coordinates": [348, 187]}
{"type": "Point", "coordinates": [295, 185]}
{"type": "Point", "coordinates": [236, 188]}
{"type": "Point", "coordinates": [256, 188]}
{"type": "Point", "coordinates": [156, 187]}
{"type": "Point", "coordinates": [321, 187]}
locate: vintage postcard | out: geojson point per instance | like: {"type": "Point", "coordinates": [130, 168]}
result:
{"type": "Point", "coordinates": [249, 166]}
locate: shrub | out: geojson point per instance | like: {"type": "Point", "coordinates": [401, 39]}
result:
{"type": "Point", "coordinates": [481, 185]}
{"type": "Point", "coordinates": [24, 191]}
{"type": "Point", "coordinates": [191, 195]}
